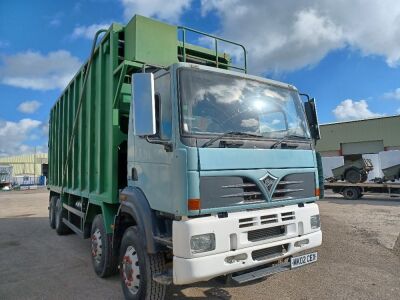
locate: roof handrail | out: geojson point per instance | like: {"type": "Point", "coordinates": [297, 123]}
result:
{"type": "Point", "coordinates": [216, 39]}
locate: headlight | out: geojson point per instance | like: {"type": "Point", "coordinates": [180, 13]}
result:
{"type": "Point", "coordinates": [315, 222]}
{"type": "Point", "coordinates": [202, 243]}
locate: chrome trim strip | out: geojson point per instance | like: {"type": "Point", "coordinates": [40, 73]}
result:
{"type": "Point", "coordinates": [282, 198]}
{"type": "Point", "coordinates": [282, 182]}
{"type": "Point", "coordinates": [279, 191]}
{"type": "Point", "coordinates": [244, 194]}
{"type": "Point", "coordinates": [239, 185]}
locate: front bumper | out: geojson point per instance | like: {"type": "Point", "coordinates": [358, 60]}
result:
{"type": "Point", "coordinates": [232, 239]}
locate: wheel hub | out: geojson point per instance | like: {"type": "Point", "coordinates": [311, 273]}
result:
{"type": "Point", "coordinates": [131, 270]}
{"type": "Point", "coordinates": [97, 249]}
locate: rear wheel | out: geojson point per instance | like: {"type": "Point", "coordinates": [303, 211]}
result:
{"type": "Point", "coordinates": [59, 214]}
{"type": "Point", "coordinates": [353, 176]}
{"type": "Point", "coordinates": [102, 256]}
{"type": "Point", "coordinates": [351, 193]}
{"type": "Point", "coordinates": [137, 268]}
{"type": "Point", "coordinates": [52, 212]}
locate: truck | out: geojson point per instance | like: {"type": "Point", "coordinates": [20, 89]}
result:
{"type": "Point", "coordinates": [354, 191]}
{"type": "Point", "coordinates": [179, 166]}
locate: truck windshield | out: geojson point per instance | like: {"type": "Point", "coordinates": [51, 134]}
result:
{"type": "Point", "coordinates": [214, 103]}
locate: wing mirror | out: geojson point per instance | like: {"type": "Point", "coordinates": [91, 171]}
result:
{"type": "Point", "coordinates": [144, 104]}
{"type": "Point", "coordinates": [312, 118]}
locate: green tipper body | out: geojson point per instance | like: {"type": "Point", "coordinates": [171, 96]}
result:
{"type": "Point", "coordinates": [97, 164]}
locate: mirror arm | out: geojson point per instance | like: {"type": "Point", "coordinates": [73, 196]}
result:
{"type": "Point", "coordinates": [167, 145]}
{"type": "Point", "coordinates": [305, 95]}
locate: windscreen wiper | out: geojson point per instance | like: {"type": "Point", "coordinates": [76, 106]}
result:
{"type": "Point", "coordinates": [287, 137]}
{"type": "Point", "coordinates": [230, 133]}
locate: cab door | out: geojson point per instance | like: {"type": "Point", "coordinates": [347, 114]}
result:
{"type": "Point", "coordinates": [150, 159]}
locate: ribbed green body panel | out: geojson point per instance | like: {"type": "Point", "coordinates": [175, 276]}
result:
{"type": "Point", "coordinates": [93, 162]}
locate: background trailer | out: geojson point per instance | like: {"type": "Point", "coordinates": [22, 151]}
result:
{"type": "Point", "coordinates": [377, 139]}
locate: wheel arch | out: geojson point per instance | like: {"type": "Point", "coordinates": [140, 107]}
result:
{"type": "Point", "coordinates": [135, 210]}
{"type": "Point", "coordinates": [53, 194]}
{"type": "Point", "coordinates": [92, 211]}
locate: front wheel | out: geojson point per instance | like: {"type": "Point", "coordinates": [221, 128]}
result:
{"type": "Point", "coordinates": [137, 268]}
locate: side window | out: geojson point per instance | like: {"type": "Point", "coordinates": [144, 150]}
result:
{"type": "Point", "coordinates": [163, 107]}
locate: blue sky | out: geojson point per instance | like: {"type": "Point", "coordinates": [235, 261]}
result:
{"type": "Point", "coordinates": [324, 48]}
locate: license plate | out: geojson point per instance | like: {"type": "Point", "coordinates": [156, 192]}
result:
{"type": "Point", "coordinates": [302, 260]}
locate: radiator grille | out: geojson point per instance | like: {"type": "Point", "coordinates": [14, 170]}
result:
{"type": "Point", "coordinates": [270, 252]}
{"type": "Point", "coordinates": [266, 219]}
{"type": "Point", "coordinates": [247, 190]}
{"type": "Point", "coordinates": [265, 233]}
{"type": "Point", "coordinates": [295, 186]}
{"type": "Point", "coordinates": [225, 191]}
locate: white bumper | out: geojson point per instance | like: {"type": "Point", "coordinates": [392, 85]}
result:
{"type": "Point", "coordinates": [231, 235]}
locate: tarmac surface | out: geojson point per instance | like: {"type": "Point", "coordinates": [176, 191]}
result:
{"type": "Point", "coordinates": [359, 257]}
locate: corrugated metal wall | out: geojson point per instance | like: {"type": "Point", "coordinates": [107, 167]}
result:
{"type": "Point", "coordinates": [29, 164]}
{"type": "Point", "coordinates": [383, 129]}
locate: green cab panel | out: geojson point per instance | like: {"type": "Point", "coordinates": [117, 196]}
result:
{"type": "Point", "coordinates": [147, 40]}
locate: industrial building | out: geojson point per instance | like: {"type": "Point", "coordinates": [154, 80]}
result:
{"type": "Point", "coordinates": [27, 169]}
{"type": "Point", "coordinates": [377, 139]}
{"type": "Point", "coordinates": [360, 136]}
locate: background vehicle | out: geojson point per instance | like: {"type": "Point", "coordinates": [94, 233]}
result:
{"type": "Point", "coordinates": [206, 172]}
{"type": "Point", "coordinates": [353, 171]}
{"type": "Point", "coordinates": [391, 173]}
{"type": "Point", "coordinates": [354, 191]}
{"type": "Point", "coordinates": [5, 176]}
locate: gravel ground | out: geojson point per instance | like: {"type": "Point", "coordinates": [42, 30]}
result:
{"type": "Point", "coordinates": [357, 260]}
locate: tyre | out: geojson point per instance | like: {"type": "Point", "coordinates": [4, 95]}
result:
{"type": "Point", "coordinates": [59, 214]}
{"type": "Point", "coordinates": [353, 176]}
{"type": "Point", "coordinates": [103, 260]}
{"type": "Point", "coordinates": [351, 193]}
{"type": "Point", "coordinates": [137, 268]}
{"type": "Point", "coordinates": [52, 212]}
{"type": "Point", "coordinates": [364, 177]}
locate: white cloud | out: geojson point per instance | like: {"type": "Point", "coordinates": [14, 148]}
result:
{"type": "Point", "coordinates": [88, 32]}
{"type": "Point", "coordinates": [289, 35]}
{"type": "Point", "coordinates": [248, 123]}
{"type": "Point", "coordinates": [165, 10]}
{"type": "Point", "coordinates": [29, 107]}
{"type": "Point", "coordinates": [393, 94]}
{"type": "Point", "coordinates": [4, 44]}
{"type": "Point", "coordinates": [13, 136]}
{"type": "Point", "coordinates": [55, 22]}
{"type": "Point", "coordinates": [398, 110]}
{"type": "Point", "coordinates": [38, 71]}
{"type": "Point", "coordinates": [45, 129]}
{"type": "Point", "coordinates": [353, 110]}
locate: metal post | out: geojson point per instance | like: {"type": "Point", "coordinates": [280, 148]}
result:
{"type": "Point", "coordinates": [34, 167]}
{"type": "Point", "coordinates": [216, 52]}
{"type": "Point", "coordinates": [183, 44]}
